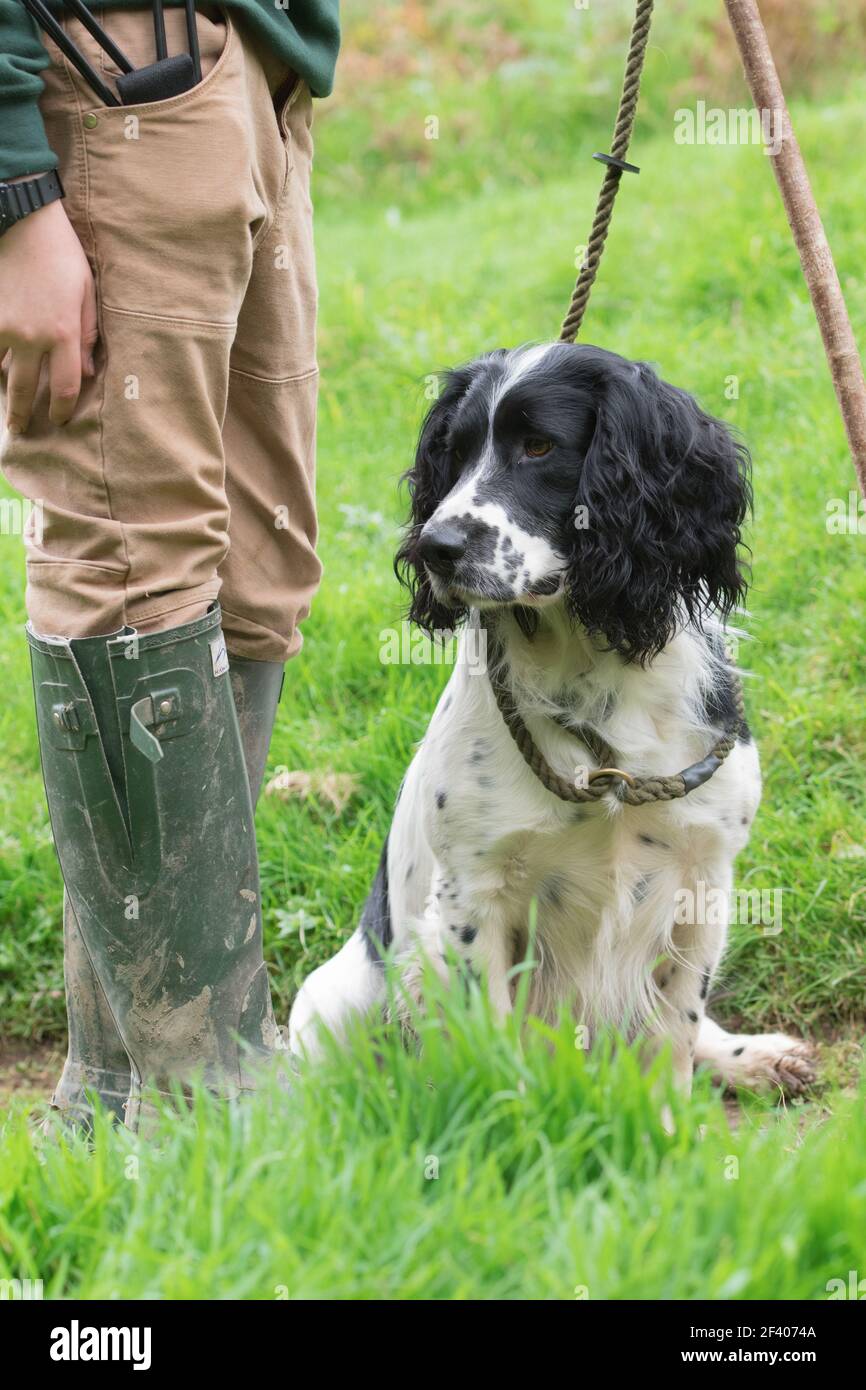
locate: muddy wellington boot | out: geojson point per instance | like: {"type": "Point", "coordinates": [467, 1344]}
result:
{"type": "Point", "coordinates": [257, 687]}
{"type": "Point", "coordinates": [150, 804]}
{"type": "Point", "coordinates": [96, 1059]}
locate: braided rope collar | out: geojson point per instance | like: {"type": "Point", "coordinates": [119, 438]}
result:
{"type": "Point", "coordinates": [635, 791]}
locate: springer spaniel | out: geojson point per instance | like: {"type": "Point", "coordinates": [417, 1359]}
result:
{"type": "Point", "coordinates": [592, 514]}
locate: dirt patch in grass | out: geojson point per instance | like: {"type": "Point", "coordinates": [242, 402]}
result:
{"type": "Point", "coordinates": [29, 1071]}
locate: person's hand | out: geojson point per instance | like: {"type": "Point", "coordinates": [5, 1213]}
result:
{"type": "Point", "coordinates": [47, 309]}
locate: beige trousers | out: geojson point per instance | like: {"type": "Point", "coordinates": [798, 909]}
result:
{"type": "Point", "coordinates": [187, 471]}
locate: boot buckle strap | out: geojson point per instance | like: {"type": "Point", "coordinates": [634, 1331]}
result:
{"type": "Point", "coordinates": [66, 717]}
{"type": "Point", "coordinates": [161, 709]}
{"type": "Point", "coordinates": [71, 719]}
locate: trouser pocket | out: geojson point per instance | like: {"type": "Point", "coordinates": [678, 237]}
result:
{"type": "Point", "coordinates": [132, 32]}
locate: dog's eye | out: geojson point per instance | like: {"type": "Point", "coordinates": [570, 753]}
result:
{"type": "Point", "coordinates": [459, 455]}
{"type": "Point", "coordinates": [537, 448]}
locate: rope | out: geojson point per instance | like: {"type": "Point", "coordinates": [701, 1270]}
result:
{"type": "Point", "coordinates": [614, 172]}
{"type": "Point", "coordinates": [635, 791]}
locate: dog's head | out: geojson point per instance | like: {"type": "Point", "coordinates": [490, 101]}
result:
{"type": "Point", "coordinates": [567, 473]}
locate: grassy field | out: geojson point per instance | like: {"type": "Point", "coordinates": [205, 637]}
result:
{"type": "Point", "coordinates": [432, 250]}
{"type": "Point", "coordinates": [490, 1168]}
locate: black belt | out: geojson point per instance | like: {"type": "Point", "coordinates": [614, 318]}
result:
{"type": "Point", "coordinates": [165, 78]}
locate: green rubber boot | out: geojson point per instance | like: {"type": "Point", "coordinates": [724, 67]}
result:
{"type": "Point", "coordinates": [257, 687]}
{"type": "Point", "coordinates": [96, 1060]}
{"type": "Point", "coordinates": [150, 804]}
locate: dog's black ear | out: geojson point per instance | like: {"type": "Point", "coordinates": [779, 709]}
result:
{"type": "Point", "coordinates": [663, 494]}
{"type": "Point", "coordinates": [430, 479]}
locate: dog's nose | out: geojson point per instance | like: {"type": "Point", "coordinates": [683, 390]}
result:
{"type": "Point", "coordinates": [440, 547]}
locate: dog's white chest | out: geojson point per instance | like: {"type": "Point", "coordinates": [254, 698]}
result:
{"type": "Point", "coordinates": [480, 848]}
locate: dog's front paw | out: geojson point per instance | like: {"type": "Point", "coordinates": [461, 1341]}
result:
{"type": "Point", "coordinates": [796, 1069]}
{"type": "Point", "coordinates": [757, 1061]}
{"type": "Point", "coordinates": [772, 1060]}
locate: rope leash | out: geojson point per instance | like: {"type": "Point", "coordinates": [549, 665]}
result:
{"type": "Point", "coordinates": [634, 791]}
{"type": "Point", "coordinates": [616, 167]}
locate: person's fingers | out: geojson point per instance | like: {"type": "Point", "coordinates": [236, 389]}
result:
{"type": "Point", "coordinates": [64, 380]}
{"type": "Point", "coordinates": [89, 328]}
{"type": "Point", "coordinates": [21, 388]}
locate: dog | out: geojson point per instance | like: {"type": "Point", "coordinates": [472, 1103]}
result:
{"type": "Point", "coordinates": [586, 515]}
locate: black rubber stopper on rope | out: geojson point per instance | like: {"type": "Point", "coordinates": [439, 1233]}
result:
{"type": "Point", "coordinates": [617, 163]}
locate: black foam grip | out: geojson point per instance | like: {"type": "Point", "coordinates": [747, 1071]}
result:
{"type": "Point", "coordinates": [167, 78]}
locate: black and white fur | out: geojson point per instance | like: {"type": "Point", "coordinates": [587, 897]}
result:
{"type": "Point", "coordinates": [609, 562]}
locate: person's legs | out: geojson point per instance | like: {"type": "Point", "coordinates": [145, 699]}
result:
{"type": "Point", "coordinates": [141, 748]}
{"type": "Point", "coordinates": [271, 570]}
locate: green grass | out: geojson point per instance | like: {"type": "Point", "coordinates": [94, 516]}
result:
{"type": "Point", "coordinates": [431, 251]}
{"type": "Point", "coordinates": [488, 1167]}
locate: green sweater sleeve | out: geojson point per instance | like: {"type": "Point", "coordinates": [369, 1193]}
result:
{"type": "Point", "coordinates": [24, 148]}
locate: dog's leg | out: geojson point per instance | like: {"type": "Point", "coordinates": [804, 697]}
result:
{"type": "Point", "coordinates": [350, 984]}
{"type": "Point", "coordinates": [759, 1061]}
{"type": "Point", "coordinates": [353, 982]}
{"type": "Point", "coordinates": [489, 956]}
{"type": "Point", "coordinates": [471, 927]}
{"type": "Point", "coordinates": [682, 981]}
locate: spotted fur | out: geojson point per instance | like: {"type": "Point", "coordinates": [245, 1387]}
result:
{"type": "Point", "coordinates": [617, 626]}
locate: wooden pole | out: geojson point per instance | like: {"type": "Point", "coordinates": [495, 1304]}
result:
{"type": "Point", "coordinates": [805, 222]}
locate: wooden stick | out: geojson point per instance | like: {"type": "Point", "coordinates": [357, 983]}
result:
{"type": "Point", "coordinates": [805, 222]}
